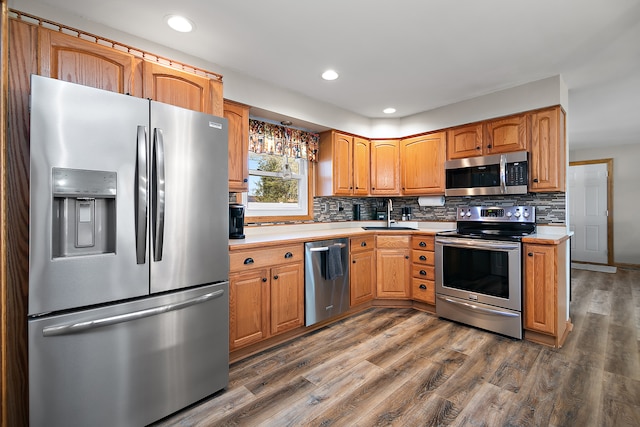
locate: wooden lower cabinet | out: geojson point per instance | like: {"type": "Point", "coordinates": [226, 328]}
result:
{"type": "Point", "coordinates": [393, 264]}
{"type": "Point", "coordinates": [545, 293]}
{"type": "Point", "coordinates": [362, 273]}
{"type": "Point", "coordinates": [265, 301]}
{"type": "Point", "coordinates": [423, 269]}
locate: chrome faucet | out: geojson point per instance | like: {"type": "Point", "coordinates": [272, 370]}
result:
{"type": "Point", "coordinates": [389, 209]}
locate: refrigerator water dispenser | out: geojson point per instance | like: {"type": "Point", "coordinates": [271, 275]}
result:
{"type": "Point", "coordinates": [84, 209]}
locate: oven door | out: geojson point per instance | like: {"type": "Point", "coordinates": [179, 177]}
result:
{"type": "Point", "coordinates": [479, 271]}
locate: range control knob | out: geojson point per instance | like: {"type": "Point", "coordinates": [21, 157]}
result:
{"type": "Point", "coordinates": [525, 214]}
{"type": "Point", "coordinates": [461, 214]}
{"type": "Point", "coordinates": [468, 214]}
{"type": "Point", "coordinates": [517, 214]}
{"type": "Point", "coordinates": [509, 214]}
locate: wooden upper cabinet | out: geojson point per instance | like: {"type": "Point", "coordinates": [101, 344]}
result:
{"type": "Point", "coordinates": [237, 116]}
{"type": "Point", "coordinates": [182, 89]}
{"type": "Point", "coordinates": [422, 164]}
{"type": "Point", "coordinates": [385, 167]}
{"type": "Point", "coordinates": [547, 163]}
{"type": "Point", "coordinates": [464, 141]}
{"type": "Point", "coordinates": [69, 58]}
{"type": "Point", "coordinates": [505, 135]}
{"type": "Point", "coordinates": [361, 166]}
{"type": "Point", "coordinates": [343, 165]}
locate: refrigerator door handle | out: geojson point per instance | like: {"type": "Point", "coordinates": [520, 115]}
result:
{"type": "Point", "coordinates": [141, 195]}
{"type": "Point", "coordinates": [158, 194]}
{"type": "Point", "coordinates": [72, 328]}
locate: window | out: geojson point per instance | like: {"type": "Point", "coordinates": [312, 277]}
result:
{"type": "Point", "coordinates": [279, 164]}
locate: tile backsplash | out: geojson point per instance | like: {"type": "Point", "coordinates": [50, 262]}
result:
{"type": "Point", "coordinates": [550, 207]}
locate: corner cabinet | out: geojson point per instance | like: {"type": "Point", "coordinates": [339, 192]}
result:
{"type": "Point", "coordinates": [393, 264]}
{"type": "Point", "coordinates": [362, 273]}
{"type": "Point", "coordinates": [237, 116]}
{"type": "Point", "coordinates": [545, 293]}
{"type": "Point", "coordinates": [266, 293]}
{"type": "Point", "coordinates": [422, 164]}
{"type": "Point", "coordinates": [343, 165]}
{"type": "Point", "coordinates": [385, 167]}
{"type": "Point", "coordinates": [548, 151]}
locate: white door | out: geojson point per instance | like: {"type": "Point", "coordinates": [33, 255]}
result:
{"type": "Point", "coordinates": [588, 212]}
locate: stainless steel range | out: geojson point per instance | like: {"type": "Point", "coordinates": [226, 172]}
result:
{"type": "Point", "coordinates": [479, 268]}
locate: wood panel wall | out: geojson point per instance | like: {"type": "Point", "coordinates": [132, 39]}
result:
{"type": "Point", "coordinates": [22, 62]}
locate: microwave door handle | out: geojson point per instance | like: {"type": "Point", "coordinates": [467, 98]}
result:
{"type": "Point", "coordinates": [158, 194]}
{"type": "Point", "coordinates": [503, 173]}
{"type": "Point", "coordinates": [141, 195]}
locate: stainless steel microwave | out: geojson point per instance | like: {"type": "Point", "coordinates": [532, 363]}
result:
{"type": "Point", "coordinates": [488, 175]}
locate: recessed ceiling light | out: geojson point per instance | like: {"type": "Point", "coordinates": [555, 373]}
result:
{"type": "Point", "coordinates": [389, 110]}
{"type": "Point", "coordinates": [179, 23]}
{"type": "Point", "coordinates": [329, 75]}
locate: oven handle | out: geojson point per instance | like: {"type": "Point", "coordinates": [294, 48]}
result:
{"type": "Point", "coordinates": [476, 308]}
{"type": "Point", "coordinates": [477, 244]}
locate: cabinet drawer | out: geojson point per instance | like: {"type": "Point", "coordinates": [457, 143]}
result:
{"type": "Point", "coordinates": [423, 243]}
{"type": "Point", "coordinates": [267, 257]}
{"type": "Point", "coordinates": [423, 290]}
{"type": "Point", "coordinates": [423, 272]}
{"type": "Point", "coordinates": [423, 257]}
{"type": "Point", "coordinates": [362, 243]}
{"type": "Point", "coordinates": [392, 242]}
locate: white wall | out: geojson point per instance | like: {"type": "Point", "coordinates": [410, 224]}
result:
{"type": "Point", "coordinates": [626, 197]}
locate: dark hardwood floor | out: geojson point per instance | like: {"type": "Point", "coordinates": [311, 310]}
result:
{"type": "Point", "coordinates": [402, 367]}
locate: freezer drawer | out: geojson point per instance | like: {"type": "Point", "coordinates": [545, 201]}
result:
{"type": "Point", "coordinates": [129, 364]}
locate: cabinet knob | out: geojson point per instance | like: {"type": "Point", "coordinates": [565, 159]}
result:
{"type": "Point", "coordinates": [363, 244]}
{"type": "Point", "coordinates": [245, 180]}
{"type": "Point", "coordinates": [288, 255]}
{"type": "Point", "coordinates": [353, 262]}
{"type": "Point", "coordinates": [248, 261]}
{"type": "Point", "coordinates": [264, 279]}
{"type": "Point", "coordinates": [423, 286]}
{"type": "Point", "coordinates": [275, 277]}
{"type": "Point", "coordinates": [423, 273]}
{"type": "Point", "coordinates": [422, 244]}
{"type": "Point", "coordinates": [530, 254]}
{"type": "Point", "coordinates": [489, 146]}
{"type": "Point", "coordinates": [535, 179]}
{"type": "Point", "coordinates": [477, 148]}
{"type": "Point", "coordinates": [423, 258]}
{"type": "Point", "coordinates": [406, 257]}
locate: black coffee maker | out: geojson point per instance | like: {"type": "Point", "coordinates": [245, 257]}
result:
{"type": "Point", "coordinates": [236, 221]}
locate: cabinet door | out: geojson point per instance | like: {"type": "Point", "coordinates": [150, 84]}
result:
{"type": "Point", "coordinates": [464, 141]}
{"type": "Point", "coordinates": [548, 150]}
{"type": "Point", "coordinates": [287, 297]}
{"type": "Point", "coordinates": [540, 302]}
{"type": "Point", "coordinates": [385, 167]}
{"type": "Point", "coordinates": [342, 161]}
{"type": "Point", "coordinates": [361, 166]}
{"type": "Point", "coordinates": [393, 273]}
{"type": "Point", "coordinates": [182, 89]}
{"type": "Point", "coordinates": [248, 302]}
{"type": "Point", "coordinates": [362, 277]}
{"type": "Point", "coordinates": [238, 118]}
{"type": "Point", "coordinates": [74, 60]}
{"type": "Point", "coordinates": [422, 164]}
{"type": "Point", "coordinates": [505, 135]}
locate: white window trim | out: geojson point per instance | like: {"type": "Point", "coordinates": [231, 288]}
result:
{"type": "Point", "coordinates": [280, 209]}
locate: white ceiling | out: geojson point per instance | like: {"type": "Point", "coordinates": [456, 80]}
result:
{"type": "Point", "coordinates": [414, 55]}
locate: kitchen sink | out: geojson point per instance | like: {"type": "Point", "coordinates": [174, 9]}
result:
{"type": "Point", "coordinates": [388, 228]}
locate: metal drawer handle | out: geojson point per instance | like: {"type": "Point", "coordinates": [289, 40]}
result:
{"type": "Point", "coordinates": [423, 258]}
{"type": "Point", "coordinates": [363, 244]}
{"type": "Point", "coordinates": [423, 273]}
{"type": "Point", "coordinates": [248, 261]}
{"type": "Point", "coordinates": [423, 286]}
{"type": "Point", "coordinates": [476, 308]}
{"type": "Point", "coordinates": [422, 244]}
{"type": "Point", "coordinates": [288, 255]}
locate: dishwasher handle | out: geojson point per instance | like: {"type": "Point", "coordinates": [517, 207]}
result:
{"type": "Point", "coordinates": [326, 248]}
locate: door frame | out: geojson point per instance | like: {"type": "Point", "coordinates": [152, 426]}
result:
{"type": "Point", "coordinates": [609, 163]}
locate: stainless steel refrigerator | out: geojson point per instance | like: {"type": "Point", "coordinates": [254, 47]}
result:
{"type": "Point", "coordinates": [128, 257]}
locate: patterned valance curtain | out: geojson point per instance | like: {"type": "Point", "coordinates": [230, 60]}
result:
{"type": "Point", "coordinates": [270, 138]}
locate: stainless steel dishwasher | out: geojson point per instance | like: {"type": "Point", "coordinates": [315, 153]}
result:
{"type": "Point", "coordinates": [326, 282]}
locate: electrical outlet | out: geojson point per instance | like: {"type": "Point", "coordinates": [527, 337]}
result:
{"type": "Point", "coordinates": [325, 207]}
